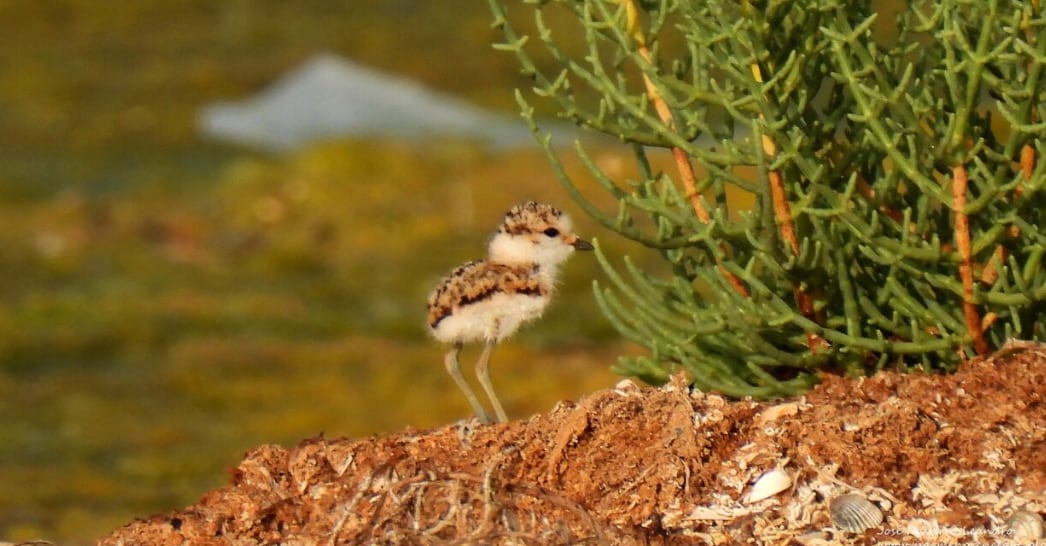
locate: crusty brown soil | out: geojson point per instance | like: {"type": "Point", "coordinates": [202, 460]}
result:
{"type": "Point", "coordinates": [945, 457]}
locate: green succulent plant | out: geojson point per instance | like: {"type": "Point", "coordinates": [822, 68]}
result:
{"type": "Point", "coordinates": [898, 193]}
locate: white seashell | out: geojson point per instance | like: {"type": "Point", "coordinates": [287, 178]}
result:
{"type": "Point", "coordinates": [626, 387]}
{"type": "Point", "coordinates": [854, 513]}
{"type": "Point", "coordinates": [1024, 526]}
{"type": "Point", "coordinates": [774, 413]}
{"type": "Point", "coordinates": [769, 484]}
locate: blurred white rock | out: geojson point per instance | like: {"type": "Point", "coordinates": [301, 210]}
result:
{"type": "Point", "coordinates": [330, 97]}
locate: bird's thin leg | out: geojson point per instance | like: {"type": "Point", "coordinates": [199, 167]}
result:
{"type": "Point", "coordinates": [483, 373]}
{"type": "Point", "coordinates": [451, 362]}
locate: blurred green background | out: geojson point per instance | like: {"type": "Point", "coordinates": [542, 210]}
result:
{"type": "Point", "coordinates": [168, 303]}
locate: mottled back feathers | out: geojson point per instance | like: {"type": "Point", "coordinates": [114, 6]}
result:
{"type": "Point", "coordinates": [479, 280]}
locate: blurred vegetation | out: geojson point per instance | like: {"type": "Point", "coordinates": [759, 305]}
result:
{"type": "Point", "coordinates": [169, 303]}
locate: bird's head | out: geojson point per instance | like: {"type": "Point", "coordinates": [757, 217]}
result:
{"type": "Point", "coordinates": [535, 233]}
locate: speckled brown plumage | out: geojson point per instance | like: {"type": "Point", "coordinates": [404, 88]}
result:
{"type": "Point", "coordinates": [530, 217]}
{"type": "Point", "coordinates": [479, 280]}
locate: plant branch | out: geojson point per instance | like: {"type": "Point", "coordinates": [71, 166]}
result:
{"type": "Point", "coordinates": [683, 166]}
{"type": "Point", "coordinates": [962, 242]}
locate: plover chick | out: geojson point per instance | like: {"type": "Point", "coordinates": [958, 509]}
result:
{"type": "Point", "coordinates": [488, 300]}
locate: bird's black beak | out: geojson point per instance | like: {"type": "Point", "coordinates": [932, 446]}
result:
{"type": "Point", "coordinates": [581, 244]}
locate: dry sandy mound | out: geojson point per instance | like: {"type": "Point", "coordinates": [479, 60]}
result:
{"type": "Point", "coordinates": [946, 459]}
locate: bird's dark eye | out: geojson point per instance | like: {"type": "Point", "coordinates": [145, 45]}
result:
{"type": "Point", "coordinates": [551, 232]}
